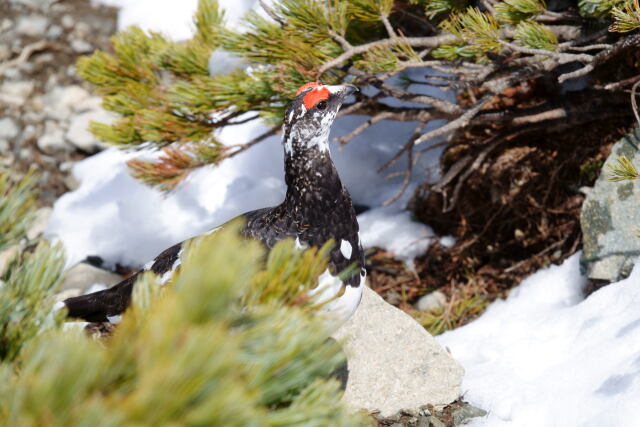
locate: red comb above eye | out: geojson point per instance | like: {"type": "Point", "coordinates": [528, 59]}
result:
{"type": "Point", "coordinates": [314, 96]}
{"type": "Point", "coordinates": [307, 86]}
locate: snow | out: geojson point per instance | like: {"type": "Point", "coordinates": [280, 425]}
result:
{"type": "Point", "coordinates": [547, 357]}
{"type": "Point", "coordinates": [170, 17]}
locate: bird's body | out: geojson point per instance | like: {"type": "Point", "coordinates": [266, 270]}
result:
{"type": "Point", "coordinates": [316, 208]}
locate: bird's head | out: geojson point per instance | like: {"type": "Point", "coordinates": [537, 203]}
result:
{"type": "Point", "coordinates": [309, 116]}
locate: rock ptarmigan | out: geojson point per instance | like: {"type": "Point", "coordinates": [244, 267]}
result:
{"type": "Point", "coordinates": [316, 208]}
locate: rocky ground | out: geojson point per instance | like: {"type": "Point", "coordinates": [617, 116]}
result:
{"type": "Point", "coordinates": [44, 106]}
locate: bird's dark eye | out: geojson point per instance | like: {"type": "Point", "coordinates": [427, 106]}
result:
{"type": "Point", "coordinates": [322, 105]}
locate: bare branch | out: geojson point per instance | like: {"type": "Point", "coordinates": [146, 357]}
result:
{"type": "Point", "coordinates": [24, 55]}
{"type": "Point", "coordinates": [458, 123]}
{"type": "Point", "coordinates": [232, 150]}
{"type": "Point", "coordinates": [388, 27]}
{"type": "Point", "coordinates": [590, 47]}
{"type": "Point", "coordinates": [603, 56]}
{"type": "Point", "coordinates": [272, 14]}
{"type": "Point", "coordinates": [634, 104]}
{"type": "Point", "coordinates": [407, 172]}
{"type": "Point", "coordinates": [438, 104]}
{"type": "Point", "coordinates": [344, 44]}
{"type": "Point", "coordinates": [562, 57]}
{"type": "Point", "coordinates": [400, 116]}
{"type": "Point", "coordinates": [431, 42]}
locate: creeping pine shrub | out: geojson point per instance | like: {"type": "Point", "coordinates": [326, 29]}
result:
{"type": "Point", "coordinates": [233, 342]}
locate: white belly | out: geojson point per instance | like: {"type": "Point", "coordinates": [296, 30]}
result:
{"type": "Point", "coordinates": [339, 305]}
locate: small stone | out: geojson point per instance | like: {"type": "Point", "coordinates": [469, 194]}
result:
{"type": "Point", "coordinates": [393, 362]}
{"type": "Point", "coordinates": [15, 93]}
{"type": "Point", "coordinates": [32, 25]}
{"type": "Point", "coordinates": [82, 29]}
{"type": "Point", "coordinates": [84, 276]}
{"type": "Point", "coordinates": [79, 135]}
{"type": "Point", "coordinates": [81, 46]}
{"type": "Point", "coordinates": [52, 140]}
{"type": "Point", "coordinates": [34, 4]}
{"type": "Point", "coordinates": [8, 128]}
{"type": "Point", "coordinates": [6, 25]}
{"type": "Point", "coordinates": [435, 422]}
{"type": "Point", "coordinates": [45, 58]}
{"type": "Point", "coordinates": [54, 32]}
{"type": "Point", "coordinates": [62, 101]}
{"type": "Point", "coordinates": [71, 182]}
{"type": "Point", "coordinates": [5, 52]}
{"type": "Point", "coordinates": [67, 21]}
{"type": "Point", "coordinates": [431, 301]}
{"type": "Point", "coordinates": [39, 223]}
{"type": "Point", "coordinates": [25, 154]}
{"type": "Point", "coordinates": [66, 166]}
{"type": "Point", "coordinates": [465, 412]}
{"type": "Point", "coordinates": [6, 256]}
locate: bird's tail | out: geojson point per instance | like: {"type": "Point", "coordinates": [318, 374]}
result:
{"type": "Point", "coordinates": [98, 306]}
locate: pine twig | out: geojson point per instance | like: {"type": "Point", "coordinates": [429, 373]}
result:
{"type": "Point", "coordinates": [634, 105]}
{"type": "Point", "coordinates": [407, 172]}
{"type": "Point", "coordinates": [603, 56]}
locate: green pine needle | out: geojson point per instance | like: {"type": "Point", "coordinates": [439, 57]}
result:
{"type": "Point", "coordinates": [627, 18]}
{"type": "Point", "coordinates": [479, 30]}
{"type": "Point", "coordinates": [17, 207]}
{"type": "Point", "coordinates": [623, 170]}
{"type": "Point", "coordinates": [535, 36]}
{"type": "Point", "coordinates": [514, 11]}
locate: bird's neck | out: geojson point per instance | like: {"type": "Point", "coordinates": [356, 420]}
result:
{"type": "Point", "coordinates": [312, 179]}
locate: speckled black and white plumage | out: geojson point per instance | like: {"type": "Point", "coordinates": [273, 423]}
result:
{"type": "Point", "coordinates": [316, 208]}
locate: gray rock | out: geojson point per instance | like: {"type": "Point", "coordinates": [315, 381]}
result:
{"type": "Point", "coordinates": [61, 102]}
{"type": "Point", "coordinates": [84, 276]}
{"type": "Point", "coordinates": [434, 422]}
{"type": "Point", "coordinates": [52, 140]}
{"type": "Point", "coordinates": [32, 25]}
{"type": "Point", "coordinates": [35, 4]}
{"type": "Point", "coordinates": [5, 25]}
{"type": "Point", "coordinates": [466, 412]}
{"type": "Point", "coordinates": [54, 32]}
{"type": "Point", "coordinates": [67, 21]}
{"type": "Point", "coordinates": [5, 52]}
{"type": "Point", "coordinates": [431, 301]}
{"type": "Point", "coordinates": [39, 223]}
{"type": "Point", "coordinates": [79, 135]}
{"type": "Point", "coordinates": [393, 362]}
{"type": "Point", "coordinates": [15, 93]}
{"type": "Point", "coordinates": [81, 46]}
{"type": "Point", "coordinates": [609, 217]}
{"type": "Point", "coordinates": [8, 128]}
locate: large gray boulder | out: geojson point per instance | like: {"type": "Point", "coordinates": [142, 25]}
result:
{"type": "Point", "coordinates": [394, 363]}
{"type": "Point", "coordinates": [610, 217]}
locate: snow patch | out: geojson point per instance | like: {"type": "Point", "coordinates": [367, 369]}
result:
{"type": "Point", "coordinates": [547, 357]}
{"type": "Point", "coordinates": [393, 229]}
